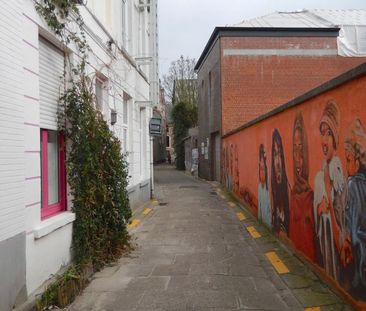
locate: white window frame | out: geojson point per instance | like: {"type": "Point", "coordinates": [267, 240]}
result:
{"type": "Point", "coordinates": [143, 142]}
{"type": "Point", "coordinates": [102, 103]}
{"type": "Point", "coordinates": [126, 107]}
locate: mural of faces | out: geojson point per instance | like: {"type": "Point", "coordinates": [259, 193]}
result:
{"type": "Point", "coordinates": [262, 168]}
{"type": "Point", "coordinates": [298, 153]}
{"type": "Point", "coordinates": [328, 144]}
{"type": "Point", "coordinates": [264, 204]}
{"type": "Point", "coordinates": [301, 200]}
{"type": "Point", "coordinates": [324, 217]}
{"type": "Point", "coordinates": [277, 158]}
{"type": "Point", "coordinates": [280, 201]}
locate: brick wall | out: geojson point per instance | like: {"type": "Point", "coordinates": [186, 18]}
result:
{"type": "Point", "coordinates": [255, 84]}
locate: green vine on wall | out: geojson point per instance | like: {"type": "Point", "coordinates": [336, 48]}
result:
{"type": "Point", "coordinates": [96, 168]}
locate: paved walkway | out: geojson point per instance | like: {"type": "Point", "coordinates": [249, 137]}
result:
{"type": "Point", "coordinates": [195, 253]}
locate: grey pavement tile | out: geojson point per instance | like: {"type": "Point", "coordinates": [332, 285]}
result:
{"type": "Point", "coordinates": [234, 237]}
{"type": "Point", "coordinates": [157, 299]}
{"type": "Point", "coordinates": [107, 271]}
{"type": "Point", "coordinates": [127, 300]}
{"type": "Point", "coordinates": [148, 283]}
{"type": "Point", "coordinates": [210, 269]}
{"type": "Point", "coordinates": [135, 269]}
{"type": "Point", "coordinates": [275, 278]}
{"type": "Point", "coordinates": [219, 253]}
{"type": "Point", "coordinates": [247, 270]}
{"type": "Point", "coordinates": [294, 281]}
{"type": "Point", "coordinates": [288, 297]}
{"type": "Point", "coordinates": [191, 258]}
{"type": "Point", "coordinates": [310, 298]}
{"type": "Point", "coordinates": [152, 258]}
{"type": "Point", "coordinates": [189, 282]}
{"type": "Point", "coordinates": [244, 259]}
{"type": "Point", "coordinates": [92, 302]}
{"type": "Point", "coordinates": [171, 269]}
{"type": "Point", "coordinates": [108, 284]}
{"type": "Point", "coordinates": [263, 302]}
{"type": "Point", "coordinates": [212, 299]}
{"type": "Point", "coordinates": [229, 283]}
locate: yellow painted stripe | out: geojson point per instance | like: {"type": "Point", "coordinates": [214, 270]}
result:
{"type": "Point", "coordinates": [312, 309]}
{"type": "Point", "coordinates": [147, 211]}
{"type": "Point", "coordinates": [218, 189]}
{"type": "Point", "coordinates": [253, 232]}
{"type": "Point", "coordinates": [240, 216]}
{"type": "Point", "coordinates": [232, 204]}
{"type": "Point", "coordinates": [222, 197]}
{"type": "Point", "coordinates": [155, 202]}
{"type": "Point", "coordinates": [133, 223]}
{"type": "Point", "coordinates": [277, 263]}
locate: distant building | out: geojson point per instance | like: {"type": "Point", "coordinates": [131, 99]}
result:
{"type": "Point", "coordinates": [170, 154]}
{"type": "Point", "coordinates": [248, 69]}
{"type": "Point", "coordinates": [159, 142]}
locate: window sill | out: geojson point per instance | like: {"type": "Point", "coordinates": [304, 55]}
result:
{"type": "Point", "coordinates": [144, 183]}
{"type": "Point", "coordinates": [53, 223]}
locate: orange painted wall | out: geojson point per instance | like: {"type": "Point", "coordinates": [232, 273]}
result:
{"type": "Point", "coordinates": [240, 165]}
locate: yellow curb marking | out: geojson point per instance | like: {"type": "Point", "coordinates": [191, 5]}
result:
{"type": "Point", "coordinates": [222, 197]}
{"type": "Point", "coordinates": [253, 232]}
{"type": "Point", "coordinates": [133, 223]}
{"type": "Point", "coordinates": [147, 211]}
{"type": "Point", "coordinates": [240, 216]}
{"type": "Point", "coordinates": [312, 309]}
{"type": "Point", "coordinates": [277, 263]}
{"type": "Point", "coordinates": [232, 204]}
{"type": "Point", "coordinates": [155, 202]}
{"type": "Point", "coordinates": [218, 189]}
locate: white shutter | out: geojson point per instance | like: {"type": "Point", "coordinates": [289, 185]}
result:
{"type": "Point", "coordinates": [51, 68]}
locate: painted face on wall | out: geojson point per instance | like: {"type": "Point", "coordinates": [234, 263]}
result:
{"type": "Point", "coordinates": [327, 141]}
{"type": "Point", "coordinates": [298, 153]}
{"type": "Point", "coordinates": [277, 162]}
{"type": "Point", "coordinates": [262, 174]}
{"type": "Point", "coordinates": [352, 164]}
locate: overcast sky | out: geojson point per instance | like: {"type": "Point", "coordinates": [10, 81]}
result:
{"type": "Point", "coordinates": [186, 25]}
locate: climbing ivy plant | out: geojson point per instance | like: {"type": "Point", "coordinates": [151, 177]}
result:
{"type": "Point", "coordinates": [96, 168]}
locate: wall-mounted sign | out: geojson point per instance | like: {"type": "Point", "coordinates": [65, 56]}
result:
{"type": "Point", "coordinates": [155, 126]}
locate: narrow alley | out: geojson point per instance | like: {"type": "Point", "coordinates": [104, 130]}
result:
{"type": "Point", "coordinates": [198, 250]}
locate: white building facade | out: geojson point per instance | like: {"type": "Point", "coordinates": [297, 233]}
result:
{"type": "Point", "coordinates": [35, 215]}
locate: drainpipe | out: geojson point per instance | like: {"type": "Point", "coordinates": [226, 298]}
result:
{"type": "Point", "coordinates": [151, 167]}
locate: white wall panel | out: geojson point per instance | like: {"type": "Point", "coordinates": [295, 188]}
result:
{"type": "Point", "coordinates": [32, 165]}
{"type": "Point", "coordinates": [32, 138]}
{"type": "Point", "coordinates": [31, 110]}
{"type": "Point", "coordinates": [12, 213]}
{"type": "Point", "coordinates": [32, 191]}
{"type": "Point", "coordinates": [30, 84]}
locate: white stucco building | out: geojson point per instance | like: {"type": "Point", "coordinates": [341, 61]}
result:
{"type": "Point", "coordinates": [35, 214]}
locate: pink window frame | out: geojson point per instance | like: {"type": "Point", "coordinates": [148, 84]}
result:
{"type": "Point", "coordinates": [53, 209]}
